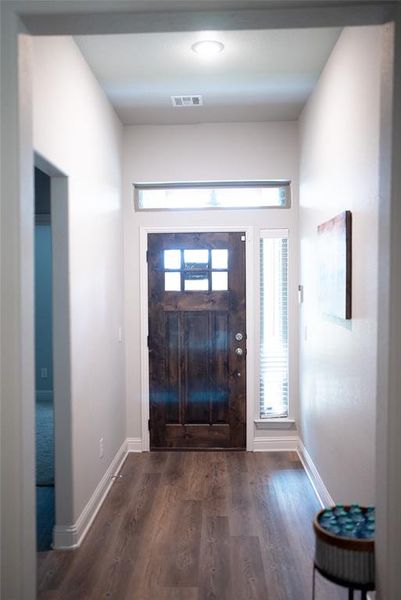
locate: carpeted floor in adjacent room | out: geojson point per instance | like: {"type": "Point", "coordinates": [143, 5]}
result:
{"type": "Point", "coordinates": [44, 473]}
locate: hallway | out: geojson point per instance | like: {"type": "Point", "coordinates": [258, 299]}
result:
{"type": "Point", "coordinates": [196, 526]}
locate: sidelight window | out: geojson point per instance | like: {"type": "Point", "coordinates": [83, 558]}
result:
{"type": "Point", "coordinates": [195, 270]}
{"type": "Point", "coordinates": [273, 383]}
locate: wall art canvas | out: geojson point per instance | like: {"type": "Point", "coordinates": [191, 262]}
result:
{"type": "Point", "coordinates": [335, 265]}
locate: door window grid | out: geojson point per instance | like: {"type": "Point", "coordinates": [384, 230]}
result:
{"type": "Point", "coordinates": [192, 270]}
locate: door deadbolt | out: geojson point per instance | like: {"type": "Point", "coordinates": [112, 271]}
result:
{"type": "Point", "coordinates": [239, 336]}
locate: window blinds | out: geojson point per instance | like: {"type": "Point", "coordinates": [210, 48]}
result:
{"type": "Point", "coordinates": [273, 384]}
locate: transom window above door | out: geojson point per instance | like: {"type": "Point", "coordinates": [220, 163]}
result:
{"type": "Point", "coordinates": [212, 195]}
{"type": "Point", "coordinates": [195, 270]}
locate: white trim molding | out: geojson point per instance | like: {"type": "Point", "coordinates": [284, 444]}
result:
{"type": "Point", "coordinates": [275, 444]}
{"type": "Point", "coordinates": [250, 321]}
{"type": "Point", "coordinates": [275, 423]}
{"type": "Point", "coordinates": [134, 444]}
{"type": "Point", "coordinates": [69, 537]}
{"type": "Point", "coordinates": [318, 485]}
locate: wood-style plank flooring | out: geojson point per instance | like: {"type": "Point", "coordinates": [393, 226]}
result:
{"type": "Point", "coordinates": [196, 526]}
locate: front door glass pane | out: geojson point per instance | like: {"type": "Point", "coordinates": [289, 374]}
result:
{"type": "Point", "coordinates": [220, 259]}
{"type": "Point", "coordinates": [219, 281]}
{"type": "Point", "coordinates": [172, 259]}
{"type": "Point", "coordinates": [196, 284]}
{"type": "Point", "coordinates": [172, 282]}
{"type": "Point", "coordinates": [196, 259]}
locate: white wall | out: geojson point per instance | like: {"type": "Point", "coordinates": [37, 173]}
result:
{"type": "Point", "coordinates": [339, 170]}
{"type": "Point", "coordinates": [76, 130]}
{"type": "Point", "coordinates": [224, 151]}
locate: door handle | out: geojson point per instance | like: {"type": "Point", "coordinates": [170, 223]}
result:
{"type": "Point", "coordinates": [239, 351]}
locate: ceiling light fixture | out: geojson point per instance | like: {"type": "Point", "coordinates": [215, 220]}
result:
{"type": "Point", "coordinates": [207, 48]}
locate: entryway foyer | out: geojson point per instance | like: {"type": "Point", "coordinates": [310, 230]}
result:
{"type": "Point", "coordinates": [304, 97]}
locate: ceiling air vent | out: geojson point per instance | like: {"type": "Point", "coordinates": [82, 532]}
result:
{"type": "Point", "coordinates": [182, 101]}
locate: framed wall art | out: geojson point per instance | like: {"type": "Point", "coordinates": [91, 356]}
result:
{"type": "Point", "coordinates": [335, 266]}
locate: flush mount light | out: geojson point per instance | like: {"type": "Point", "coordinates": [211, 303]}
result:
{"type": "Point", "coordinates": [208, 48]}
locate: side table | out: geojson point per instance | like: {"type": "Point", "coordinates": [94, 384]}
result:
{"type": "Point", "coordinates": [344, 560]}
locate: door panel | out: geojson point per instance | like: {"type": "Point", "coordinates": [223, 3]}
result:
{"type": "Point", "coordinates": [172, 367]}
{"type": "Point", "coordinates": [196, 369]}
{"type": "Point", "coordinates": [196, 306]}
{"type": "Point", "coordinates": [219, 366]}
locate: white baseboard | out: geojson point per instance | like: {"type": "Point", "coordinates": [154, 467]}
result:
{"type": "Point", "coordinates": [317, 482]}
{"type": "Point", "coordinates": [275, 444]}
{"type": "Point", "coordinates": [44, 395]}
{"type": "Point", "coordinates": [134, 444]}
{"type": "Point", "coordinates": [69, 537]}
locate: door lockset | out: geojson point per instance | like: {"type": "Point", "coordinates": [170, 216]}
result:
{"type": "Point", "coordinates": [239, 351]}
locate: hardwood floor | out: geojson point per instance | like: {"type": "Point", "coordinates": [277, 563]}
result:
{"type": "Point", "coordinates": [196, 526]}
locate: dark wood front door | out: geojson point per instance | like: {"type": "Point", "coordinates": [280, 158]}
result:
{"type": "Point", "coordinates": [197, 340]}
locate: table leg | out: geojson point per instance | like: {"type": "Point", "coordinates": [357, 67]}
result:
{"type": "Point", "coordinates": [350, 594]}
{"type": "Point", "coordinates": [313, 582]}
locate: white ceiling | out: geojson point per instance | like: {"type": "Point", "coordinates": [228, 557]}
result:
{"type": "Point", "coordinates": [260, 75]}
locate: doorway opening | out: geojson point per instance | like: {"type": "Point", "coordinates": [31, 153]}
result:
{"type": "Point", "coordinates": [52, 356]}
{"type": "Point", "coordinates": [223, 379]}
{"type": "Point", "coordinates": [44, 389]}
